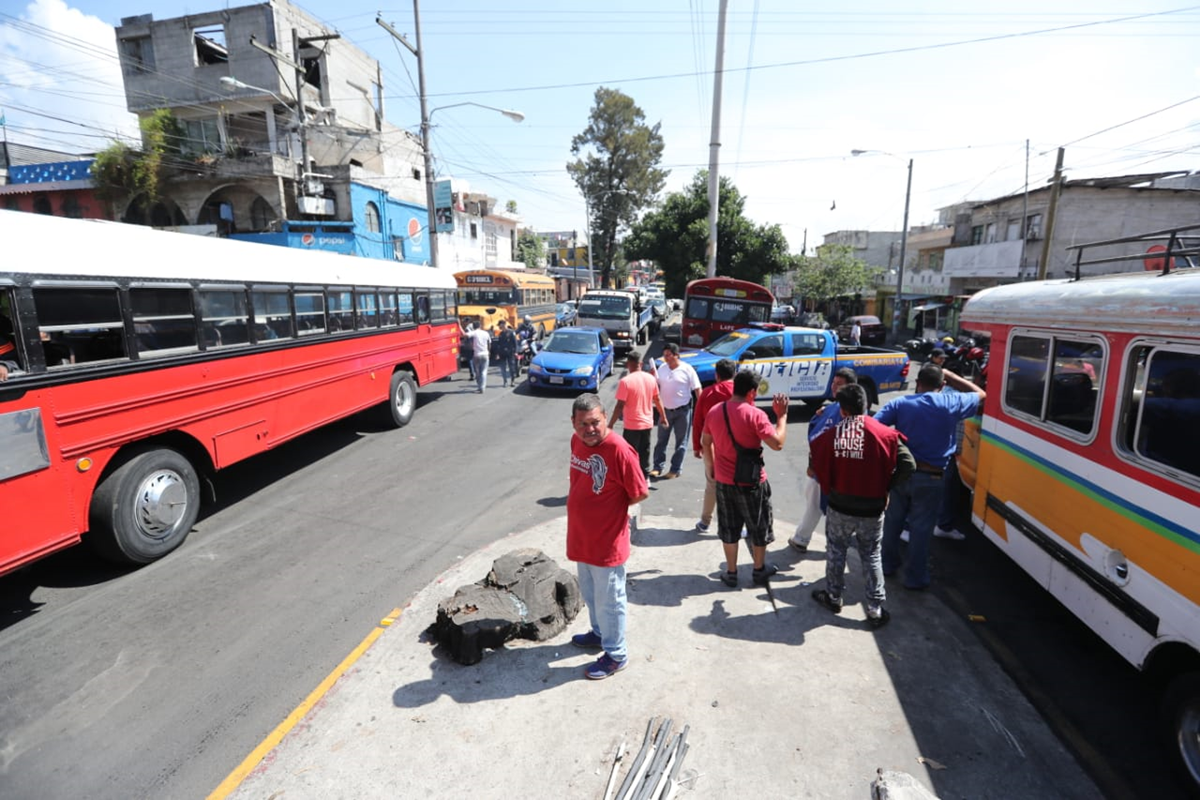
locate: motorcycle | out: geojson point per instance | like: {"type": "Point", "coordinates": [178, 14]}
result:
{"type": "Point", "coordinates": [968, 360]}
{"type": "Point", "coordinates": [526, 350]}
{"type": "Point", "coordinates": [919, 349]}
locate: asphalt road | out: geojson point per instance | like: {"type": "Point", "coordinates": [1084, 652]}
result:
{"type": "Point", "coordinates": [157, 682]}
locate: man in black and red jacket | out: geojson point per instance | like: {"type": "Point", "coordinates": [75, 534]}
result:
{"type": "Point", "coordinates": [857, 462]}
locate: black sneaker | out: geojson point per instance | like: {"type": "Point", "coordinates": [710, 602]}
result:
{"type": "Point", "coordinates": [831, 602]}
{"type": "Point", "coordinates": [761, 576]}
{"type": "Point", "coordinates": [878, 620]}
{"type": "Point", "coordinates": [730, 579]}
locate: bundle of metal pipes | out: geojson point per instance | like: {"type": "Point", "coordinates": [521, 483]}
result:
{"type": "Point", "coordinates": [655, 772]}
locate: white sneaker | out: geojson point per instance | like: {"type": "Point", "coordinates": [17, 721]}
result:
{"type": "Point", "coordinates": [904, 535]}
{"type": "Point", "coordinates": [948, 533]}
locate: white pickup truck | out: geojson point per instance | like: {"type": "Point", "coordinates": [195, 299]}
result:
{"type": "Point", "coordinates": [627, 319]}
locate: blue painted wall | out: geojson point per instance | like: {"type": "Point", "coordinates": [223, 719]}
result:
{"type": "Point", "coordinates": [401, 237]}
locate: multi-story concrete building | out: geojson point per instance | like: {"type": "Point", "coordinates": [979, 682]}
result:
{"type": "Point", "coordinates": [284, 132]}
{"type": "Point", "coordinates": [1003, 240]}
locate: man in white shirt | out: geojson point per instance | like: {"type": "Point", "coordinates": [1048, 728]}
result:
{"type": "Point", "coordinates": [480, 342]}
{"type": "Point", "coordinates": [855, 333]}
{"type": "Point", "coordinates": [678, 386]}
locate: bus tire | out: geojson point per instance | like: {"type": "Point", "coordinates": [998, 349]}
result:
{"type": "Point", "coordinates": [402, 398]}
{"type": "Point", "coordinates": [145, 508]}
{"type": "Point", "coordinates": [1179, 716]}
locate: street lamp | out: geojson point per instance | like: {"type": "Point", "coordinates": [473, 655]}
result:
{"type": "Point", "coordinates": [515, 116]}
{"type": "Point", "coordinates": [903, 242]}
{"type": "Point", "coordinates": [234, 83]}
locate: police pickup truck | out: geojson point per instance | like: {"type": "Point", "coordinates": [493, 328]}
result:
{"type": "Point", "coordinates": [800, 362]}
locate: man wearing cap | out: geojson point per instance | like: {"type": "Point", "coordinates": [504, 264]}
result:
{"type": "Point", "coordinates": [637, 397]}
{"type": "Point", "coordinates": [678, 385]}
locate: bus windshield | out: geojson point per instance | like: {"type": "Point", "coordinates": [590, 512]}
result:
{"type": "Point", "coordinates": [605, 307]}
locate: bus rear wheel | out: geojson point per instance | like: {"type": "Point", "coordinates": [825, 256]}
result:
{"type": "Point", "coordinates": [145, 508]}
{"type": "Point", "coordinates": [402, 398]}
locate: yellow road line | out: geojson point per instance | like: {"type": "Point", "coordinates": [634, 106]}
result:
{"type": "Point", "coordinates": [235, 778]}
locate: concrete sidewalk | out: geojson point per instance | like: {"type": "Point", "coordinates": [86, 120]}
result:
{"type": "Point", "coordinates": [794, 703]}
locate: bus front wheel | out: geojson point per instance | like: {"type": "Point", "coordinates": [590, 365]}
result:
{"type": "Point", "coordinates": [144, 508]}
{"type": "Point", "coordinates": [402, 398]}
{"type": "Point", "coordinates": [1180, 724]}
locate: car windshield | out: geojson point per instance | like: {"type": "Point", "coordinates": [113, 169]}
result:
{"type": "Point", "coordinates": [572, 342]}
{"type": "Point", "coordinates": [728, 344]}
{"type": "Point", "coordinates": [605, 307]}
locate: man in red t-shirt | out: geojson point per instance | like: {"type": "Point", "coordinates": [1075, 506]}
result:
{"type": "Point", "coordinates": [747, 504]}
{"type": "Point", "coordinates": [719, 392]}
{"type": "Point", "coordinates": [606, 480]}
{"type": "Point", "coordinates": [637, 396]}
{"type": "Point", "coordinates": [857, 461]}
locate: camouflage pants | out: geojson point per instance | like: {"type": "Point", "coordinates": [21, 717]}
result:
{"type": "Point", "coordinates": [867, 535]}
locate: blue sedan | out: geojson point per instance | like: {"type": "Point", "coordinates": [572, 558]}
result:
{"type": "Point", "coordinates": [572, 358]}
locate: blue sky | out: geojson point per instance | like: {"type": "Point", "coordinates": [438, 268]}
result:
{"type": "Point", "coordinates": [957, 91]}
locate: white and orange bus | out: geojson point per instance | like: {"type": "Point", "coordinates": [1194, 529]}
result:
{"type": "Point", "coordinates": [1086, 470]}
{"type": "Point", "coordinates": [146, 360]}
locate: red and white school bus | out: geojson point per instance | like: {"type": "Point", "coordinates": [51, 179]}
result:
{"type": "Point", "coordinates": [142, 361]}
{"type": "Point", "coordinates": [712, 307]}
{"type": "Point", "coordinates": [1085, 464]}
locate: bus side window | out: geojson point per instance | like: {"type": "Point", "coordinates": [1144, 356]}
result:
{"type": "Point", "coordinates": [437, 306]}
{"type": "Point", "coordinates": [340, 304]}
{"type": "Point", "coordinates": [404, 306]}
{"type": "Point", "coordinates": [1169, 427]}
{"type": "Point", "coordinates": [1028, 362]}
{"type": "Point", "coordinates": [223, 317]}
{"type": "Point", "coordinates": [422, 309]}
{"type": "Point", "coordinates": [272, 315]}
{"type": "Point", "coordinates": [310, 313]}
{"type": "Point", "coordinates": [163, 319]}
{"type": "Point", "coordinates": [1077, 373]}
{"type": "Point", "coordinates": [697, 308]}
{"type": "Point", "coordinates": [85, 320]}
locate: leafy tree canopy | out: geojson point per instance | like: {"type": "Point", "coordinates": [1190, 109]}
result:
{"type": "Point", "coordinates": [675, 237]}
{"type": "Point", "coordinates": [511, 206]}
{"type": "Point", "coordinates": [121, 171]}
{"type": "Point", "coordinates": [617, 171]}
{"type": "Point", "coordinates": [530, 249]}
{"type": "Point", "coordinates": [833, 272]}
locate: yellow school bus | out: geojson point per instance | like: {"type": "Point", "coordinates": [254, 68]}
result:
{"type": "Point", "coordinates": [486, 296]}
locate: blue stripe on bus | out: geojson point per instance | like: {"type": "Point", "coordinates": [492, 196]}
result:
{"type": "Point", "coordinates": [1128, 507]}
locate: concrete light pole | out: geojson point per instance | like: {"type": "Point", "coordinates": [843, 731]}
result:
{"type": "Point", "coordinates": [426, 114]}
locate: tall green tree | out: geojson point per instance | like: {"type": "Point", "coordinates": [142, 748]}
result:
{"type": "Point", "coordinates": [121, 171]}
{"type": "Point", "coordinates": [531, 250]}
{"type": "Point", "coordinates": [616, 169]}
{"type": "Point", "coordinates": [833, 272]}
{"type": "Point", "coordinates": [675, 237]}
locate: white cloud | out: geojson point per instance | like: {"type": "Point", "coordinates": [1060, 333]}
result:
{"type": "Point", "coordinates": [62, 86]}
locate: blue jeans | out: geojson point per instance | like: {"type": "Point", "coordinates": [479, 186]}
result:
{"type": "Point", "coordinates": [508, 367]}
{"type": "Point", "coordinates": [917, 501]}
{"type": "Point", "coordinates": [679, 420]}
{"type": "Point", "coordinates": [603, 590]}
{"type": "Point", "coordinates": [480, 365]}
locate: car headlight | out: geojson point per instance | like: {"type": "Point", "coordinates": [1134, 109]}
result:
{"type": "Point", "coordinates": [582, 371]}
{"type": "Point", "coordinates": [536, 369]}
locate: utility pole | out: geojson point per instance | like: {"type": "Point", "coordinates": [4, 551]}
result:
{"type": "Point", "coordinates": [903, 252]}
{"type": "Point", "coordinates": [419, 52]}
{"type": "Point", "coordinates": [1024, 215]}
{"type": "Point", "coordinates": [714, 147]}
{"type": "Point", "coordinates": [300, 118]}
{"type": "Point", "coordinates": [1055, 190]}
